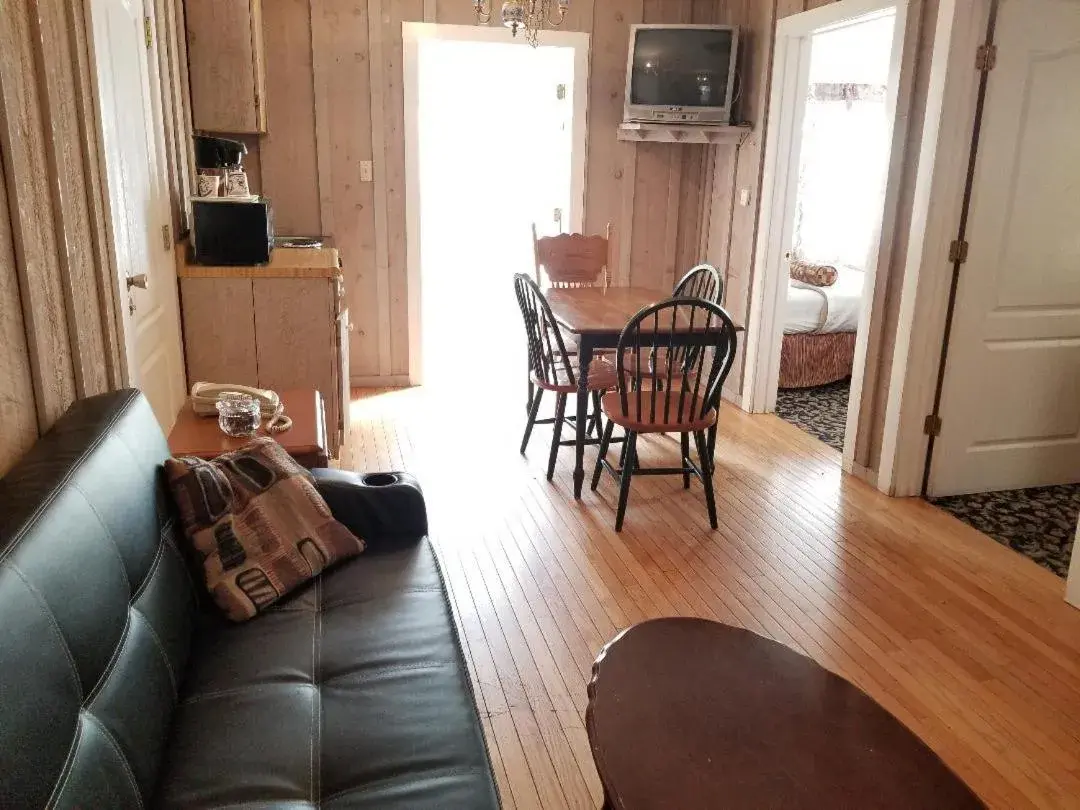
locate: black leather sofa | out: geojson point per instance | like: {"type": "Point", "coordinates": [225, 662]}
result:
{"type": "Point", "coordinates": [120, 687]}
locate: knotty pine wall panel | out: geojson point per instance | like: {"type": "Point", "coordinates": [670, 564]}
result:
{"type": "Point", "coordinates": [610, 172]}
{"type": "Point", "coordinates": [30, 204]}
{"type": "Point", "coordinates": [755, 49]}
{"type": "Point", "coordinates": [624, 181]}
{"type": "Point", "coordinates": [17, 409]}
{"type": "Point", "coordinates": [347, 119]}
{"type": "Point", "coordinates": [287, 155]}
{"type": "Point", "coordinates": [58, 336]}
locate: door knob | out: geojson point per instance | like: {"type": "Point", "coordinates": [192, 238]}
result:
{"type": "Point", "coordinates": [138, 280]}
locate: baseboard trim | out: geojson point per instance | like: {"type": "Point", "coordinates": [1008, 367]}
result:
{"type": "Point", "coordinates": [377, 381]}
{"type": "Point", "coordinates": [734, 397]}
{"type": "Point", "coordinates": [865, 474]}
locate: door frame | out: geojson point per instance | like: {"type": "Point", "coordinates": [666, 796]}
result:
{"type": "Point", "coordinates": [962, 26]}
{"type": "Point", "coordinates": [413, 34]}
{"type": "Point", "coordinates": [782, 145]}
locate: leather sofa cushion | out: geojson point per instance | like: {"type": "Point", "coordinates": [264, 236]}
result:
{"type": "Point", "coordinates": [96, 611]}
{"type": "Point", "coordinates": [350, 693]}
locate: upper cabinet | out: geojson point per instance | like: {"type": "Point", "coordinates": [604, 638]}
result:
{"type": "Point", "coordinates": [225, 56]}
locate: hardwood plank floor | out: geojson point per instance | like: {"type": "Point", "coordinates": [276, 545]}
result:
{"type": "Point", "coordinates": [968, 643]}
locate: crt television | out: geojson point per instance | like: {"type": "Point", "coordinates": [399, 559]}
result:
{"type": "Point", "coordinates": [681, 73]}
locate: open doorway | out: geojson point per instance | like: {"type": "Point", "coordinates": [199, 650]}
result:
{"type": "Point", "coordinates": [495, 145]}
{"type": "Point", "coordinates": [833, 107]}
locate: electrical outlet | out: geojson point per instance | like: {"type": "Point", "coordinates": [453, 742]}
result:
{"type": "Point", "coordinates": [366, 171]}
{"type": "Point", "coordinates": [744, 197]}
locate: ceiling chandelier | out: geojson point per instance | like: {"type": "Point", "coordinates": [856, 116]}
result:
{"type": "Point", "coordinates": [532, 16]}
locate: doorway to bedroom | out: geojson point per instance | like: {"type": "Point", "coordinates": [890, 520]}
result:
{"type": "Point", "coordinates": [840, 96]}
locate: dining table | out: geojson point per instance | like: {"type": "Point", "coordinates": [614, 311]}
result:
{"type": "Point", "coordinates": [596, 316]}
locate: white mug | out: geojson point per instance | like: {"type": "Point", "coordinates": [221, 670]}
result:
{"type": "Point", "coordinates": [208, 184]}
{"type": "Point", "coordinates": [236, 185]}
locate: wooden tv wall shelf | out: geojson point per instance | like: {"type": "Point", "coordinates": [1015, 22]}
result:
{"type": "Point", "coordinates": [281, 326]}
{"type": "Point", "coordinates": [683, 133]}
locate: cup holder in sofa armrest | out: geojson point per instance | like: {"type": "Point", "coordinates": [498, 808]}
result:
{"type": "Point", "coordinates": [384, 479]}
{"type": "Point", "coordinates": [382, 505]}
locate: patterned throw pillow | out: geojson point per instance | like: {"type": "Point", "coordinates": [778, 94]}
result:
{"type": "Point", "coordinates": [820, 275]}
{"type": "Point", "coordinates": [258, 524]}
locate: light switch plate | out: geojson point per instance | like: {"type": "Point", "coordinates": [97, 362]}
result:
{"type": "Point", "coordinates": [744, 197]}
{"type": "Point", "coordinates": [366, 171]}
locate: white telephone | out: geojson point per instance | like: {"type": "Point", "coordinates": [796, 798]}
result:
{"type": "Point", "coordinates": [204, 397]}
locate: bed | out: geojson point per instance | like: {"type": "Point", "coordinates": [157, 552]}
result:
{"type": "Point", "coordinates": [819, 330]}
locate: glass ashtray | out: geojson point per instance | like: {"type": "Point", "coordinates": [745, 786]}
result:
{"type": "Point", "coordinates": [238, 414]}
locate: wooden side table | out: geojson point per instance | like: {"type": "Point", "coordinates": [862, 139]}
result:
{"type": "Point", "coordinates": [692, 714]}
{"type": "Point", "coordinates": [305, 441]}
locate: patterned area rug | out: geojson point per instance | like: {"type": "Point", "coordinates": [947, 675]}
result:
{"type": "Point", "coordinates": [1040, 523]}
{"type": "Point", "coordinates": [820, 411]}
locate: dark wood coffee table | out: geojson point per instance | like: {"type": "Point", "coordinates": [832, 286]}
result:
{"type": "Point", "coordinates": [305, 441]}
{"type": "Point", "coordinates": [690, 713]}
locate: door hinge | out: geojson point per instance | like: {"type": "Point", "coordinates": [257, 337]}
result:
{"type": "Point", "coordinates": [932, 425]}
{"type": "Point", "coordinates": [148, 31]}
{"type": "Point", "coordinates": [560, 92]}
{"type": "Point", "coordinates": [986, 57]}
{"type": "Point", "coordinates": [958, 251]}
{"type": "Point", "coordinates": [166, 237]}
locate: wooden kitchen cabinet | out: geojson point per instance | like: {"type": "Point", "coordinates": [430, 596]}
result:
{"type": "Point", "coordinates": [279, 326]}
{"type": "Point", "coordinates": [225, 65]}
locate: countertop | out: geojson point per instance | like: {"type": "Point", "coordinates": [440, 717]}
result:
{"type": "Point", "coordinates": [324, 262]}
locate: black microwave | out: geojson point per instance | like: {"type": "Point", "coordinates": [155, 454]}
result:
{"type": "Point", "coordinates": [232, 232]}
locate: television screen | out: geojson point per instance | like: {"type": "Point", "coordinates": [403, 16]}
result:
{"type": "Point", "coordinates": [685, 67]}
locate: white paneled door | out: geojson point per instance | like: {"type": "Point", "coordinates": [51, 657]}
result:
{"type": "Point", "coordinates": [1010, 405]}
{"type": "Point", "coordinates": [138, 204]}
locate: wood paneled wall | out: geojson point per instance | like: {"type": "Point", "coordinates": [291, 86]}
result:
{"type": "Point", "coordinates": [58, 331]}
{"type": "Point", "coordinates": [335, 98]}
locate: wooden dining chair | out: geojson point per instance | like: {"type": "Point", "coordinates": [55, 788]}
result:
{"type": "Point", "coordinates": [684, 399]}
{"type": "Point", "coordinates": [551, 368]}
{"type": "Point", "coordinates": [573, 259]}
{"type": "Point", "coordinates": [703, 281]}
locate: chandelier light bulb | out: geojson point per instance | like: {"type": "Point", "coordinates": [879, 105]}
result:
{"type": "Point", "coordinates": [530, 16]}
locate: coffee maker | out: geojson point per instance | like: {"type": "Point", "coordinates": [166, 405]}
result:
{"type": "Point", "coordinates": [216, 159]}
{"type": "Point", "coordinates": [231, 225]}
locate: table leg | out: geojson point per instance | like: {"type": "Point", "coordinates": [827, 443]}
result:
{"type": "Point", "coordinates": [585, 353]}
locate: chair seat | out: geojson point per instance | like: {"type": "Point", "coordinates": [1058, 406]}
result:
{"type": "Point", "coordinates": [688, 420]}
{"type": "Point", "coordinates": [601, 378]}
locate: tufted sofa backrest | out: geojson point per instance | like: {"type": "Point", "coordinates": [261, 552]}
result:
{"type": "Point", "coordinates": [96, 611]}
